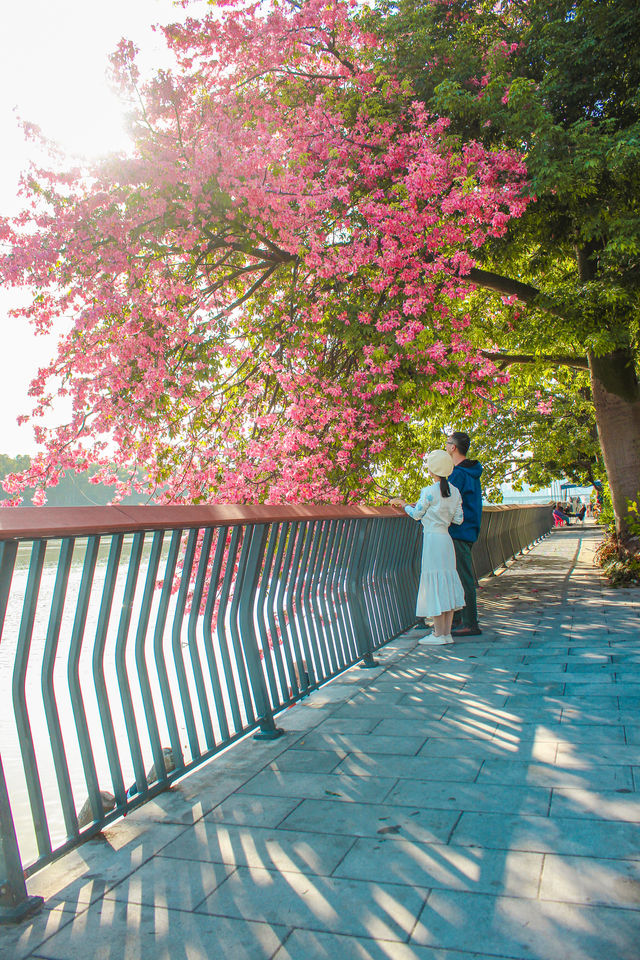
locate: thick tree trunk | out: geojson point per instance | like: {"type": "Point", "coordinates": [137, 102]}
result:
{"type": "Point", "coordinates": [616, 397]}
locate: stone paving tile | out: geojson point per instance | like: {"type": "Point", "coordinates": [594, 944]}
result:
{"type": "Point", "coordinates": [110, 930]}
{"type": "Point", "coordinates": [546, 775]}
{"type": "Point", "coordinates": [544, 751]}
{"type": "Point", "coordinates": [580, 733]}
{"type": "Point", "coordinates": [472, 796]}
{"type": "Point", "coordinates": [174, 884]}
{"type": "Point", "coordinates": [301, 717]}
{"type": "Point", "coordinates": [309, 945]}
{"type": "Point", "coordinates": [215, 842]}
{"type": "Point", "coordinates": [243, 809]}
{"type": "Point", "coordinates": [306, 761]}
{"type": "Point", "coordinates": [526, 928]}
{"type": "Point", "coordinates": [378, 742]}
{"type": "Point", "coordinates": [515, 873]}
{"type": "Point", "coordinates": [347, 725]}
{"type": "Point", "coordinates": [20, 940]}
{"type": "Point", "coordinates": [627, 689]}
{"type": "Point", "coordinates": [410, 768]}
{"type": "Point", "coordinates": [358, 908]}
{"type": "Point", "coordinates": [545, 709]}
{"type": "Point", "coordinates": [412, 822]}
{"type": "Point", "coordinates": [379, 711]}
{"type": "Point", "coordinates": [88, 872]}
{"type": "Point", "coordinates": [317, 785]}
{"type": "Point", "coordinates": [590, 838]}
{"type": "Point", "coordinates": [330, 694]}
{"type": "Point", "coordinates": [628, 702]}
{"type": "Point", "coordinates": [596, 805]}
{"type": "Point", "coordinates": [467, 709]}
{"type": "Point", "coordinates": [467, 727]}
{"type": "Point", "coordinates": [587, 756]}
{"type": "Point", "coordinates": [590, 669]}
{"type": "Point", "coordinates": [439, 680]}
{"type": "Point", "coordinates": [632, 734]}
{"type": "Point", "coordinates": [614, 883]}
{"type": "Point", "coordinates": [578, 712]}
{"type": "Point", "coordinates": [508, 689]}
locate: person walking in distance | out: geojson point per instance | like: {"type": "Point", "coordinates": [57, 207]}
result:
{"type": "Point", "coordinates": [466, 477]}
{"type": "Point", "coordinates": [440, 590]}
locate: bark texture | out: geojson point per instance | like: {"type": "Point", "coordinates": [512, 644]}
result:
{"type": "Point", "coordinates": [616, 397]}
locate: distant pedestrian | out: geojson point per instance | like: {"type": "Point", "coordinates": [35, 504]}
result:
{"type": "Point", "coordinates": [466, 477]}
{"type": "Point", "coordinates": [440, 591]}
{"type": "Point", "coordinates": [560, 515]}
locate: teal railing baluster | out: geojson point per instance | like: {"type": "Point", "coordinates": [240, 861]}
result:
{"type": "Point", "coordinates": [239, 587]}
{"type": "Point", "coordinates": [141, 660]}
{"type": "Point", "coordinates": [271, 601]}
{"type": "Point", "coordinates": [327, 616]}
{"type": "Point", "coordinates": [307, 613]}
{"type": "Point", "coordinates": [349, 650]}
{"type": "Point", "coordinates": [73, 677]}
{"type": "Point", "coordinates": [158, 648]}
{"type": "Point", "coordinates": [122, 674]}
{"type": "Point", "coordinates": [317, 617]}
{"type": "Point", "coordinates": [97, 662]}
{"type": "Point", "coordinates": [327, 593]}
{"type": "Point", "coordinates": [209, 613]}
{"type": "Point", "coordinates": [221, 627]}
{"type": "Point", "coordinates": [301, 653]}
{"type": "Point", "coordinates": [277, 698]}
{"type": "Point", "coordinates": [176, 644]}
{"type": "Point", "coordinates": [48, 692]}
{"type": "Point", "coordinates": [8, 553]}
{"type": "Point", "coordinates": [194, 614]}
{"type": "Point", "coordinates": [282, 610]}
{"type": "Point", "coordinates": [21, 712]}
{"type": "Point", "coordinates": [314, 666]}
{"type": "Point", "coordinates": [253, 554]}
{"type": "Point", "coordinates": [15, 903]}
{"type": "Point", "coordinates": [396, 557]}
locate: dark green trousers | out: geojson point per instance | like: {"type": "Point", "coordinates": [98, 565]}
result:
{"type": "Point", "coordinates": [468, 616]}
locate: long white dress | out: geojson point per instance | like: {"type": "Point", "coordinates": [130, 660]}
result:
{"type": "Point", "coordinates": [440, 587]}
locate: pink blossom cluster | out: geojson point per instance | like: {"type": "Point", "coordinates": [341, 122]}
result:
{"type": "Point", "coordinates": [250, 286]}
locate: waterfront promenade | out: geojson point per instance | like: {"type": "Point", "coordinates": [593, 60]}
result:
{"type": "Point", "coordinates": [474, 801]}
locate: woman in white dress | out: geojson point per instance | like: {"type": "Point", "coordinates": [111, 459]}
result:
{"type": "Point", "coordinates": [440, 592]}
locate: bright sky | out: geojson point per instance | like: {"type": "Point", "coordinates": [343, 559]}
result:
{"type": "Point", "coordinates": [53, 63]}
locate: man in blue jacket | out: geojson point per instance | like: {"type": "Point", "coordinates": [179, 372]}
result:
{"type": "Point", "coordinates": [466, 477]}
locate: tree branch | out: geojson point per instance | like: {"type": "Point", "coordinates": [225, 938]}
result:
{"type": "Point", "coordinates": [559, 359]}
{"type": "Point", "coordinates": [525, 292]}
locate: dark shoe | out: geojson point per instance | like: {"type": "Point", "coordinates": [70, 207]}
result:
{"type": "Point", "coordinates": [466, 631]}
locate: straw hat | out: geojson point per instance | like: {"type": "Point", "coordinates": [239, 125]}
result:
{"type": "Point", "coordinates": [440, 463]}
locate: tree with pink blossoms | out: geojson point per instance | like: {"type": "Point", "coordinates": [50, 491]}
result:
{"type": "Point", "coordinates": [257, 288]}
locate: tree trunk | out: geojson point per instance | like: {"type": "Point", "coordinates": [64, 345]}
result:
{"type": "Point", "coordinates": [616, 397]}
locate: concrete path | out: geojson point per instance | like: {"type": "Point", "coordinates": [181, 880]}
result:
{"type": "Point", "coordinates": [474, 801]}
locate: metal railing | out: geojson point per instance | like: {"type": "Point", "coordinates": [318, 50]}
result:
{"type": "Point", "coordinates": [138, 642]}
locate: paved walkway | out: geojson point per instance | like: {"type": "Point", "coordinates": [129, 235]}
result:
{"type": "Point", "coordinates": [474, 801]}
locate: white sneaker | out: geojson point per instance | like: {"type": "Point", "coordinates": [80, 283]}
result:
{"type": "Point", "coordinates": [448, 638]}
{"type": "Point", "coordinates": [431, 639]}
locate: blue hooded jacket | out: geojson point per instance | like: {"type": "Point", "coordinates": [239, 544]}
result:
{"type": "Point", "coordinates": [466, 477]}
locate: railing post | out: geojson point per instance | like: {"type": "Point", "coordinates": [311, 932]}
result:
{"type": "Point", "coordinates": [15, 903]}
{"type": "Point", "coordinates": [364, 638]}
{"type": "Point", "coordinates": [257, 536]}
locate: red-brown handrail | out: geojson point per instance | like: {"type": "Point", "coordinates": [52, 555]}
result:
{"type": "Point", "coordinates": [31, 523]}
